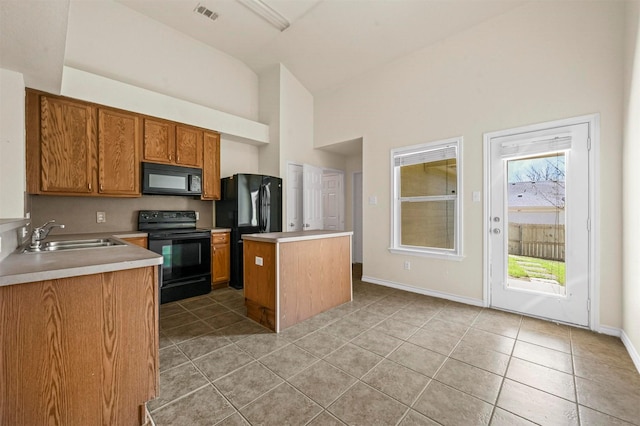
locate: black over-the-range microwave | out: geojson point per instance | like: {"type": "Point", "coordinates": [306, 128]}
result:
{"type": "Point", "coordinates": [164, 179]}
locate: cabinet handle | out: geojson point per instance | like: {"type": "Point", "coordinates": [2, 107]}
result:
{"type": "Point", "coordinates": [89, 186]}
{"type": "Point", "coordinates": [100, 187]}
{"type": "Point", "coordinates": [170, 157]}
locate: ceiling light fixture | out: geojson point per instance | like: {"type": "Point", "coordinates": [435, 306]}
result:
{"type": "Point", "coordinates": [208, 13]}
{"type": "Point", "coordinates": [267, 13]}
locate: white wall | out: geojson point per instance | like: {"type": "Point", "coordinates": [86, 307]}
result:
{"type": "Point", "coordinates": [270, 114]}
{"type": "Point", "coordinates": [540, 62]}
{"type": "Point", "coordinates": [114, 41]}
{"type": "Point", "coordinates": [287, 107]}
{"type": "Point", "coordinates": [237, 157]}
{"type": "Point", "coordinates": [90, 87]}
{"type": "Point", "coordinates": [631, 183]}
{"type": "Point", "coordinates": [297, 127]}
{"type": "Point", "coordinates": [12, 145]}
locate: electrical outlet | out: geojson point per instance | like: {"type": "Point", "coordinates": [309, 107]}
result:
{"type": "Point", "coordinates": [407, 265]}
{"type": "Point", "coordinates": [197, 215]}
{"type": "Point", "coordinates": [101, 217]}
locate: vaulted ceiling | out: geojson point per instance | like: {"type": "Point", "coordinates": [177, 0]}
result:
{"type": "Point", "coordinates": [328, 42]}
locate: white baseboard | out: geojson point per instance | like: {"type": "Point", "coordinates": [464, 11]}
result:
{"type": "Point", "coordinates": [434, 293]}
{"type": "Point", "coordinates": [613, 331]}
{"type": "Point", "coordinates": [609, 331]}
{"type": "Point", "coordinates": [633, 351]}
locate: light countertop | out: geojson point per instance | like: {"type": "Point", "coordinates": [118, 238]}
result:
{"type": "Point", "coordinates": [18, 268]}
{"type": "Point", "coordinates": [9, 224]}
{"type": "Point", "coordinates": [287, 237]}
{"type": "Point", "coordinates": [220, 230]}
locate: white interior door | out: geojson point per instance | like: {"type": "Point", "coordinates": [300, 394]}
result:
{"type": "Point", "coordinates": [312, 197]}
{"type": "Point", "coordinates": [357, 218]}
{"type": "Point", "coordinates": [294, 197]}
{"type": "Point", "coordinates": [333, 200]}
{"type": "Point", "coordinates": [539, 222]}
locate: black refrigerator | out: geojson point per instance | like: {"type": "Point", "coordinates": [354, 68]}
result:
{"type": "Point", "coordinates": [248, 204]}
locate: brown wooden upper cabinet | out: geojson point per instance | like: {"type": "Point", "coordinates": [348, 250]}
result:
{"type": "Point", "coordinates": [211, 166]}
{"type": "Point", "coordinates": [118, 152]}
{"type": "Point", "coordinates": [188, 146]}
{"type": "Point", "coordinates": [80, 148]}
{"type": "Point", "coordinates": [77, 148]}
{"type": "Point", "coordinates": [159, 141]}
{"type": "Point", "coordinates": [66, 154]}
{"type": "Point", "coordinates": [170, 143]}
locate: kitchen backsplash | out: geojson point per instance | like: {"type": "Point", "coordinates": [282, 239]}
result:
{"type": "Point", "coordinates": [78, 214]}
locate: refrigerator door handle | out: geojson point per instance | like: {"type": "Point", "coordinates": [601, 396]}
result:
{"type": "Point", "coordinates": [267, 208]}
{"type": "Point", "coordinates": [261, 207]}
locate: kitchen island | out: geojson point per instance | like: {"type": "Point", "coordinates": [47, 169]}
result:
{"type": "Point", "coordinates": [292, 276]}
{"type": "Point", "coordinates": [79, 335]}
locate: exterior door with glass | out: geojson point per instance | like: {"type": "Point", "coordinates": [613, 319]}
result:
{"type": "Point", "coordinates": [539, 221]}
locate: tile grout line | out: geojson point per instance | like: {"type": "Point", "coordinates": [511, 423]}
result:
{"type": "Point", "coordinates": [366, 307]}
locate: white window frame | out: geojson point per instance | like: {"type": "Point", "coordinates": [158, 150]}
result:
{"type": "Point", "coordinates": [396, 247]}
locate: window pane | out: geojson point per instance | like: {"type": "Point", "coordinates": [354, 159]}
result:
{"type": "Point", "coordinates": [428, 224]}
{"type": "Point", "coordinates": [428, 179]}
{"type": "Point", "coordinates": [536, 217]}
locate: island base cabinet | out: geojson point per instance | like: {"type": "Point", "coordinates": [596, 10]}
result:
{"type": "Point", "coordinates": [288, 282]}
{"type": "Point", "coordinates": [80, 350]}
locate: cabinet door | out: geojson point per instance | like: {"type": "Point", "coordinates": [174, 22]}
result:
{"type": "Point", "coordinates": [220, 257]}
{"type": "Point", "coordinates": [188, 146]}
{"type": "Point", "coordinates": [118, 152]}
{"type": "Point", "coordinates": [211, 166]}
{"type": "Point", "coordinates": [67, 138]}
{"type": "Point", "coordinates": [159, 141]}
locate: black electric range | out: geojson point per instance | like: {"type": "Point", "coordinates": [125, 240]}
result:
{"type": "Point", "coordinates": [186, 250]}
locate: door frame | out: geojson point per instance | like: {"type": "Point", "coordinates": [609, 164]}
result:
{"type": "Point", "coordinates": [593, 120]}
{"type": "Point", "coordinates": [286, 198]}
{"type": "Point", "coordinates": [356, 220]}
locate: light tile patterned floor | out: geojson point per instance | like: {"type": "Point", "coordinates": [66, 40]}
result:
{"type": "Point", "coordinates": [387, 358]}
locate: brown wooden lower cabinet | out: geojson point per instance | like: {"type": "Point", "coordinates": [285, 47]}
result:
{"type": "Point", "coordinates": [139, 241]}
{"type": "Point", "coordinates": [295, 276]}
{"type": "Point", "coordinates": [220, 259]}
{"type": "Point", "coordinates": [80, 350]}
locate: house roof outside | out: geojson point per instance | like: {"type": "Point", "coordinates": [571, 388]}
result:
{"type": "Point", "coordinates": [536, 194]}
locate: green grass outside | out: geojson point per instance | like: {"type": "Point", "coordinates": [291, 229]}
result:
{"type": "Point", "coordinates": [554, 267]}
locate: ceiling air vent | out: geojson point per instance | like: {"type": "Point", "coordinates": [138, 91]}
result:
{"type": "Point", "coordinates": [202, 10]}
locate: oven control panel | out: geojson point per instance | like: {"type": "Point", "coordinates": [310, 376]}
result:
{"type": "Point", "coordinates": [166, 219]}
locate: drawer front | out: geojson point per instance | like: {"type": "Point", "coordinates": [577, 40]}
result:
{"type": "Point", "coordinates": [220, 238]}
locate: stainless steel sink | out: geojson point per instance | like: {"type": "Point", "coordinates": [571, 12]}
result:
{"type": "Point", "coordinates": [73, 245]}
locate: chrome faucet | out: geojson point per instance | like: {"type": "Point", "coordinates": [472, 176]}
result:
{"type": "Point", "coordinates": [40, 233]}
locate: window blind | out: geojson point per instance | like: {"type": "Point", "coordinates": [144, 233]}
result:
{"type": "Point", "coordinates": [439, 154]}
{"type": "Point", "coordinates": [516, 148]}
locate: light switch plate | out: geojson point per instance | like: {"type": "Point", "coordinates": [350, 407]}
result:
{"type": "Point", "coordinates": [258, 261]}
{"type": "Point", "coordinates": [373, 200]}
{"type": "Point", "coordinates": [476, 196]}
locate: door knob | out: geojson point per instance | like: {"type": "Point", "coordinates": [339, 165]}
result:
{"type": "Point", "coordinates": [292, 224]}
{"type": "Point", "coordinates": [496, 231]}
